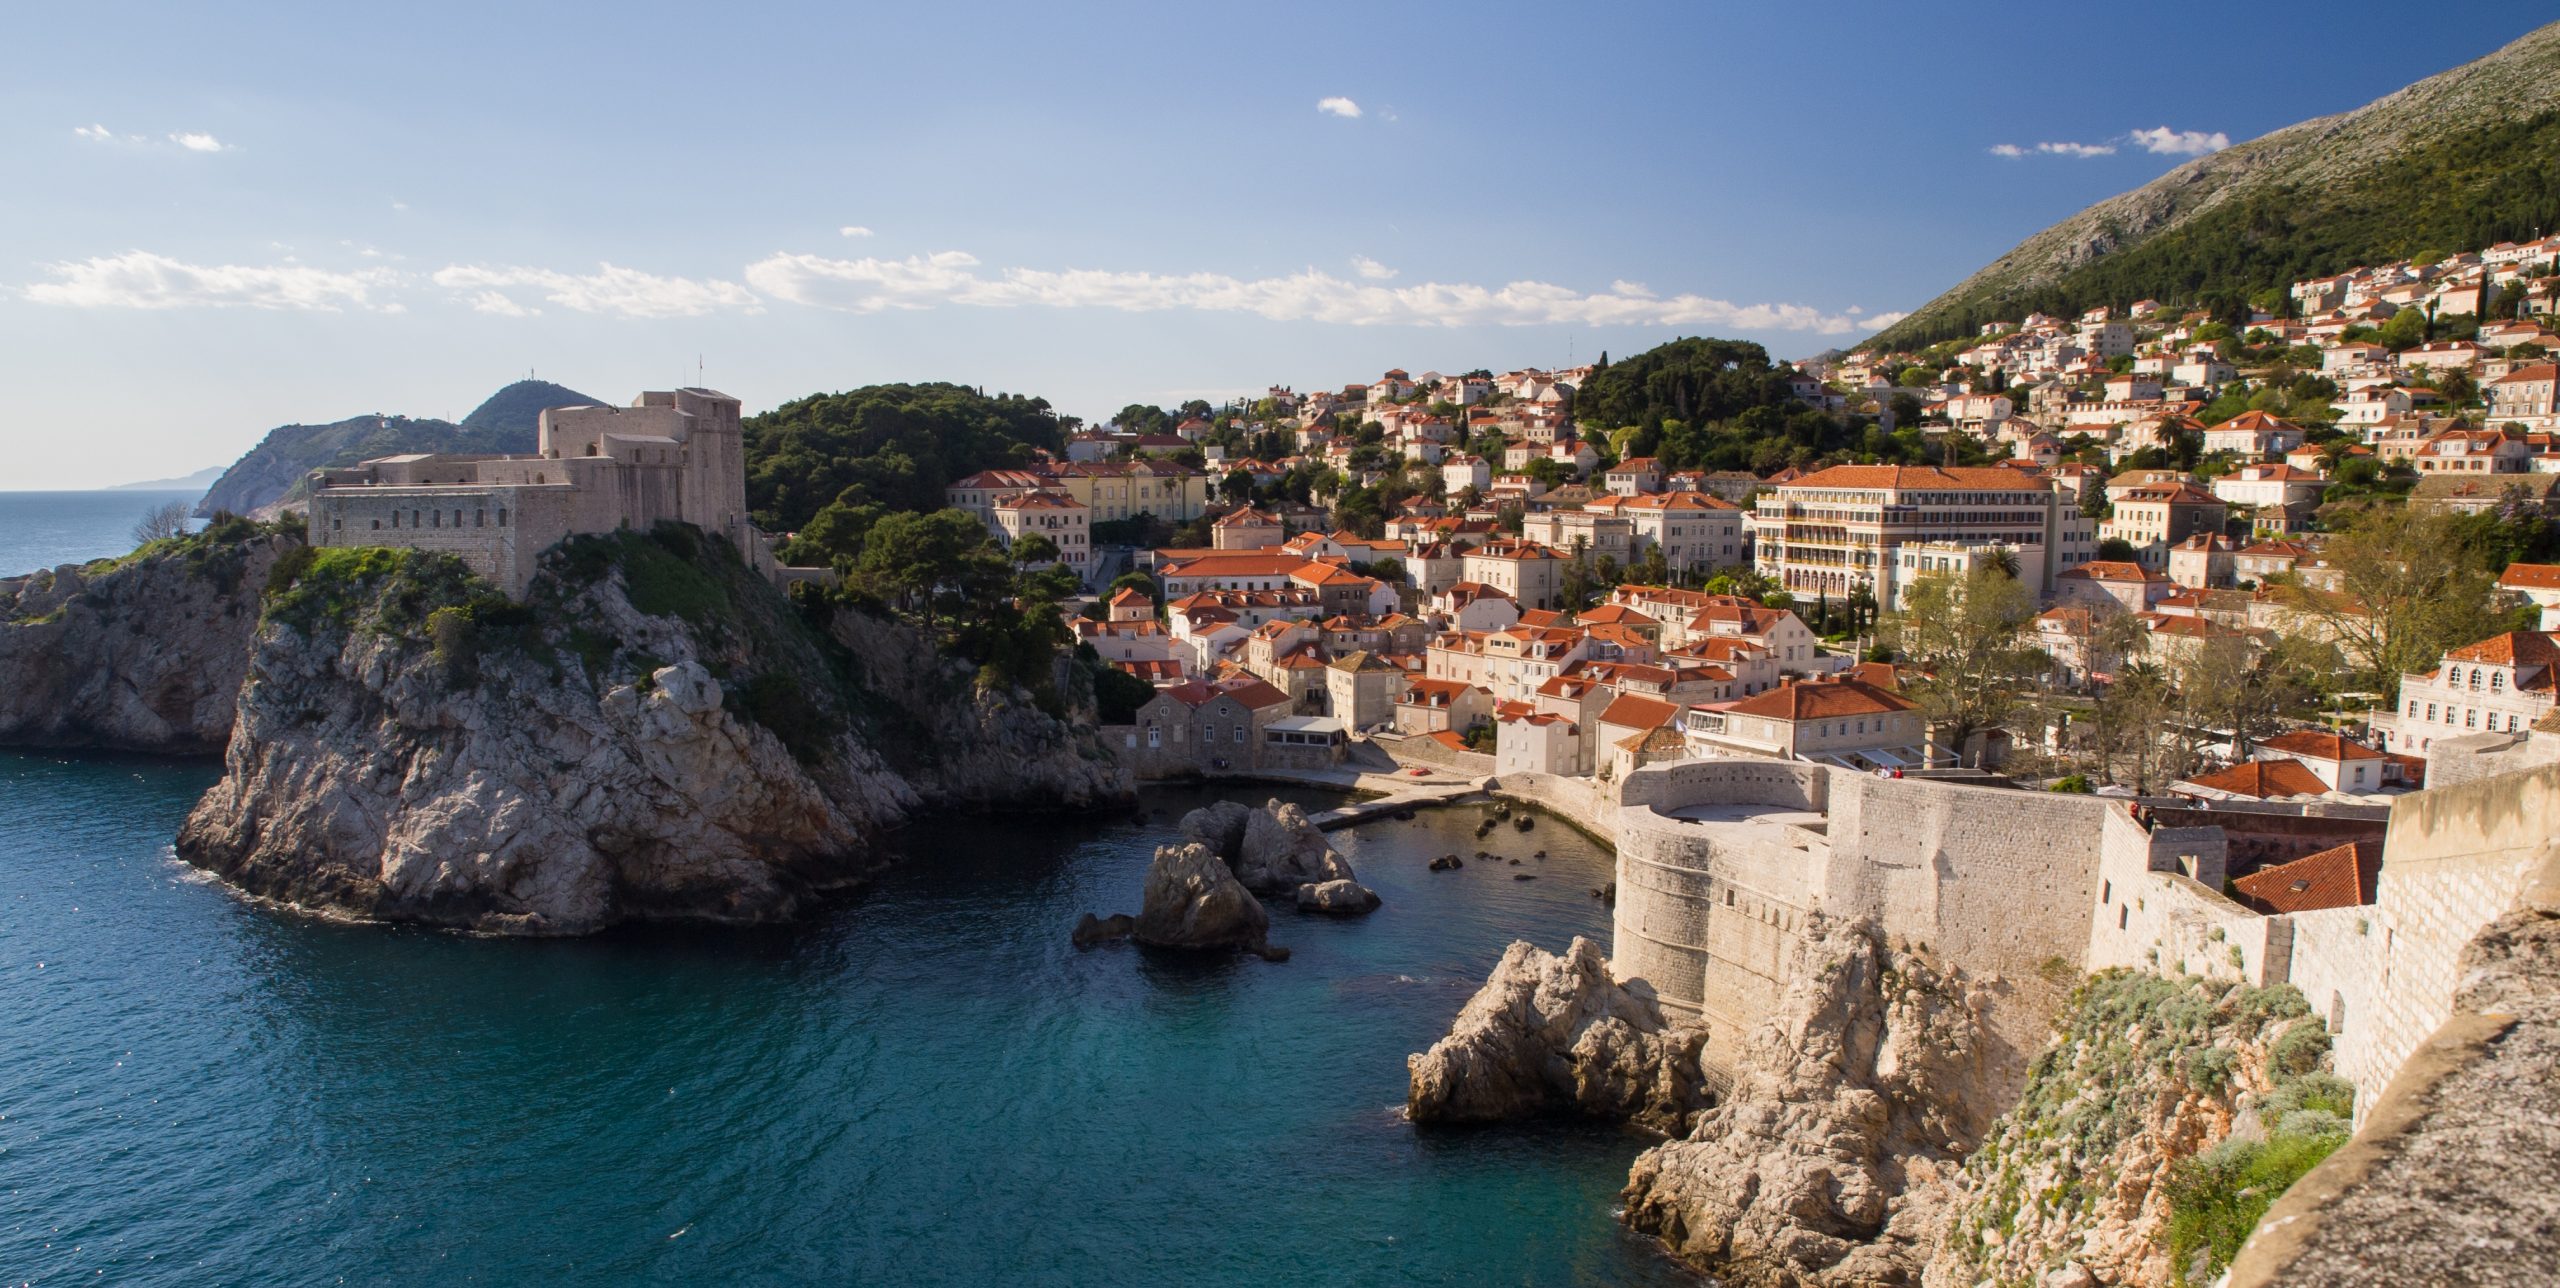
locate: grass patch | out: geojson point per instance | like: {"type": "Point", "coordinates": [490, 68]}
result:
{"type": "Point", "coordinates": [2218, 1197]}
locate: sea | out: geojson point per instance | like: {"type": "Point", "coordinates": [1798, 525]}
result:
{"type": "Point", "coordinates": [926, 1084]}
{"type": "Point", "coordinates": [49, 529]}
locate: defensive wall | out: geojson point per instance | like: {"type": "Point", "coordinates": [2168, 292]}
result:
{"type": "Point", "coordinates": [1721, 863]}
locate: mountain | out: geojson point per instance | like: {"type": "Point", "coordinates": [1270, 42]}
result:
{"type": "Point", "coordinates": [202, 478]}
{"type": "Point", "coordinates": [2460, 160]}
{"type": "Point", "coordinates": [273, 471]}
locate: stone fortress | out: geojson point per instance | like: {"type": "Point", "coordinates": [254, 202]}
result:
{"type": "Point", "coordinates": [670, 455]}
{"type": "Point", "coordinates": [1721, 863]}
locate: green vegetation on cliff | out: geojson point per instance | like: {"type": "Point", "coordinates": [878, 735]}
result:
{"type": "Point", "coordinates": [2170, 1111]}
{"type": "Point", "coordinates": [2458, 161]}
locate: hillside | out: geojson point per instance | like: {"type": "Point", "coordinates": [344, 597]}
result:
{"type": "Point", "coordinates": [273, 470]}
{"type": "Point", "coordinates": [2459, 160]}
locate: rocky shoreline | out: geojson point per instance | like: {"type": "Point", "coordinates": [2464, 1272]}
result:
{"type": "Point", "coordinates": [654, 733]}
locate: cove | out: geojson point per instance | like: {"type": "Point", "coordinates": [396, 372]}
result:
{"type": "Point", "coordinates": [927, 1084]}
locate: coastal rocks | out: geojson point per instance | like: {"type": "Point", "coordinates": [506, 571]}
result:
{"type": "Point", "coordinates": [1550, 1035]}
{"type": "Point", "coordinates": [1275, 850]}
{"type": "Point", "coordinates": [1091, 930]}
{"type": "Point", "coordinates": [412, 746]}
{"type": "Point", "coordinates": [1339, 897]}
{"type": "Point", "coordinates": [1192, 900]}
{"type": "Point", "coordinates": [141, 654]}
{"type": "Point", "coordinates": [1447, 863]}
{"type": "Point", "coordinates": [1850, 1105]}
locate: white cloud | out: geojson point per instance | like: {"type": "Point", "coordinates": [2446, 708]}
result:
{"type": "Point", "coordinates": [1371, 269]}
{"type": "Point", "coordinates": [196, 142]}
{"type": "Point", "coordinates": [499, 304]}
{"type": "Point", "coordinates": [101, 134]}
{"type": "Point", "coordinates": [2180, 143]}
{"type": "Point", "coordinates": [1880, 321]}
{"type": "Point", "coordinates": [1339, 106]}
{"type": "Point", "coordinates": [2055, 150]}
{"type": "Point", "coordinates": [853, 230]}
{"type": "Point", "coordinates": [609, 289]}
{"type": "Point", "coordinates": [143, 280]}
{"type": "Point", "coordinates": [872, 285]}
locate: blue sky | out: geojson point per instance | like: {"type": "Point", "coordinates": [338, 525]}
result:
{"type": "Point", "coordinates": [239, 216]}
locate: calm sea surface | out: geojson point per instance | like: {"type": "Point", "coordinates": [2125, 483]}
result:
{"type": "Point", "coordinates": [927, 1085]}
{"type": "Point", "coordinates": [46, 529]}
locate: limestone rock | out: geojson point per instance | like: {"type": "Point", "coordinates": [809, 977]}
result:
{"type": "Point", "coordinates": [1550, 1035]}
{"type": "Point", "coordinates": [1273, 850]}
{"type": "Point", "coordinates": [1091, 930]}
{"type": "Point", "coordinates": [586, 768]}
{"type": "Point", "coordinates": [1340, 897]}
{"type": "Point", "coordinates": [2147, 1072]}
{"type": "Point", "coordinates": [1192, 900]}
{"type": "Point", "coordinates": [1825, 1163]}
{"type": "Point", "coordinates": [143, 656]}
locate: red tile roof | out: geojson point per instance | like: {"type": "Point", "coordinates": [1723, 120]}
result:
{"type": "Point", "coordinates": [1821, 701]}
{"type": "Point", "coordinates": [1916, 478]}
{"type": "Point", "coordinates": [2526, 576]}
{"type": "Point", "coordinates": [1635, 711]}
{"type": "Point", "coordinates": [2263, 779]}
{"type": "Point", "coordinates": [2320, 746]}
{"type": "Point", "coordinates": [2342, 877]}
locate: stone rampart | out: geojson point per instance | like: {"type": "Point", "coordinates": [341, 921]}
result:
{"type": "Point", "coordinates": [2456, 859]}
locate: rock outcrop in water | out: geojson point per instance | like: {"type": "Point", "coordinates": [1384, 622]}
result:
{"type": "Point", "coordinates": [1550, 1036]}
{"type": "Point", "coordinates": [1850, 1105]}
{"type": "Point", "coordinates": [1275, 850]}
{"type": "Point", "coordinates": [143, 653]}
{"type": "Point", "coordinates": [1192, 900]}
{"type": "Point", "coordinates": [653, 734]}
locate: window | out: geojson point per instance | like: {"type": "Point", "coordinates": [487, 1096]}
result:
{"type": "Point", "coordinates": [2123, 916]}
{"type": "Point", "coordinates": [1239, 733]}
{"type": "Point", "coordinates": [502, 518]}
{"type": "Point", "coordinates": [2475, 679]}
{"type": "Point", "coordinates": [377, 525]}
{"type": "Point", "coordinates": [1155, 736]}
{"type": "Point", "coordinates": [2106, 892]}
{"type": "Point", "coordinates": [2471, 718]}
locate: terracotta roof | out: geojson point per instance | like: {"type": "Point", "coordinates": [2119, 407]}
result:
{"type": "Point", "coordinates": [1129, 595]}
{"type": "Point", "coordinates": [1447, 739]}
{"type": "Point", "coordinates": [1634, 710]}
{"type": "Point", "coordinates": [2344, 876]}
{"type": "Point", "coordinates": [2526, 576]}
{"type": "Point", "coordinates": [2263, 779]}
{"type": "Point", "coordinates": [2112, 570]}
{"type": "Point", "coordinates": [2527, 647]}
{"type": "Point", "coordinates": [1252, 691]}
{"type": "Point", "coordinates": [2320, 746]}
{"type": "Point", "coordinates": [1822, 700]}
{"type": "Point", "coordinates": [1916, 478]}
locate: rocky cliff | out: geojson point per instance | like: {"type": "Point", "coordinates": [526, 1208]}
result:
{"type": "Point", "coordinates": [2164, 1118]}
{"type": "Point", "coordinates": [142, 653]}
{"type": "Point", "coordinates": [653, 734]}
{"type": "Point", "coordinates": [1824, 1163]}
{"type": "Point", "coordinates": [1550, 1035]}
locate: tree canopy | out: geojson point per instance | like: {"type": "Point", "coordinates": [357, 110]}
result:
{"type": "Point", "coordinates": [894, 446]}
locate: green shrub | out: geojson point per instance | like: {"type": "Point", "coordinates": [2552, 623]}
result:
{"type": "Point", "coordinates": [774, 701]}
{"type": "Point", "coordinates": [2217, 1198]}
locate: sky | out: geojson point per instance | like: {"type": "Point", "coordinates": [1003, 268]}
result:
{"type": "Point", "coordinates": [225, 218]}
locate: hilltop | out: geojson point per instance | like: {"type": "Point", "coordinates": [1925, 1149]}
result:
{"type": "Point", "coordinates": [2464, 158]}
{"type": "Point", "coordinates": [272, 471]}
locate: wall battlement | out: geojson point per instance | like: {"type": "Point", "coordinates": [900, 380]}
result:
{"type": "Point", "coordinates": [1722, 864]}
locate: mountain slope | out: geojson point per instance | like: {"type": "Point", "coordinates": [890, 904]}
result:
{"type": "Point", "coordinates": [2459, 160]}
{"type": "Point", "coordinates": [273, 470]}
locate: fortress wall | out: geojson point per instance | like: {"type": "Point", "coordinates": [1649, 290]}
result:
{"type": "Point", "coordinates": [1586, 801]}
{"type": "Point", "coordinates": [1994, 879]}
{"type": "Point", "coordinates": [1709, 919]}
{"type": "Point", "coordinates": [1734, 781]}
{"type": "Point", "coordinates": [463, 522]}
{"type": "Point", "coordinates": [2456, 859]}
{"type": "Point", "coordinates": [2160, 907]}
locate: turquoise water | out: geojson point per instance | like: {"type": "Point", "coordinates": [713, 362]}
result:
{"type": "Point", "coordinates": [47, 529]}
{"type": "Point", "coordinates": [927, 1085]}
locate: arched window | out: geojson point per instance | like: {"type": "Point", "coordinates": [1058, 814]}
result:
{"type": "Point", "coordinates": [2475, 679]}
{"type": "Point", "coordinates": [2497, 681]}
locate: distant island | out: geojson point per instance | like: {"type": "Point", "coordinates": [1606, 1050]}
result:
{"type": "Point", "coordinates": [201, 479]}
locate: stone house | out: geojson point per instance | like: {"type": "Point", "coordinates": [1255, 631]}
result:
{"type": "Point", "coordinates": [1361, 689]}
{"type": "Point", "coordinates": [1435, 706]}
